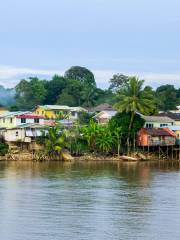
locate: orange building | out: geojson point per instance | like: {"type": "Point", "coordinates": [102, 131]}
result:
{"type": "Point", "coordinates": [155, 137]}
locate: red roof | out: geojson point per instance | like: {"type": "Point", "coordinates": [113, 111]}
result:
{"type": "Point", "coordinates": [30, 116]}
{"type": "Point", "coordinates": [158, 132]}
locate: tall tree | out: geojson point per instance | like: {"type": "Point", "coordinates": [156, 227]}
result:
{"type": "Point", "coordinates": [134, 98]}
{"type": "Point", "coordinates": [82, 74]}
{"type": "Point", "coordinates": [66, 98]}
{"type": "Point", "coordinates": [89, 95]}
{"type": "Point", "coordinates": [167, 97]}
{"type": "Point", "coordinates": [54, 88]}
{"type": "Point", "coordinates": [118, 81]}
{"type": "Point", "coordinates": [30, 93]}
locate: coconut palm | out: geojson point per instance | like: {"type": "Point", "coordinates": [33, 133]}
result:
{"type": "Point", "coordinates": [134, 98]}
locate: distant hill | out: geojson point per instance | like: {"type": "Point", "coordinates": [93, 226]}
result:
{"type": "Point", "coordinates": [7, 96]}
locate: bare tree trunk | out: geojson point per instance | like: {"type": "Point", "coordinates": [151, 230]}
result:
{"type": "Point", "coordinates": [130, 126]}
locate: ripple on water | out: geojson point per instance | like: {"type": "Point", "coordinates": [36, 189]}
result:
{"type": "Point", "coordinates": [89, 201]}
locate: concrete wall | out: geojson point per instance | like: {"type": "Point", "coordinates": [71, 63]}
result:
{"type": "Point", "coordinates": [14, 135]}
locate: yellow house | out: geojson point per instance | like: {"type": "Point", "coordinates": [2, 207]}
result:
{"type": "Point", "coordinates": [52, 111]}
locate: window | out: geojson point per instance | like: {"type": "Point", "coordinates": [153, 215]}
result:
{"type": "Point", "coordinates": [73, 114]}
{"type": "Point", "coordinates": [149, 125]}
{"type": "Point", "coordinates": [17, 134]}
{"type": "Point", "coordinates": [36, 120]}
{"type": "Point", "coordinates": [11, 120]}
{"type": "Point", "coordinates": [23, 120]}
{"type": "Point", "coordinates": [37, 112]}
{"type": "Point", "coordinates": [163, 125]}
{"type": "Point", "coordinates": [56, 112]}
{"type": "Point", "coordinates": [4, 120]}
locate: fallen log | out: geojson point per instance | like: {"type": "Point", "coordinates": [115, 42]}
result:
{"type": "Point", "coordinates": [127, 158]}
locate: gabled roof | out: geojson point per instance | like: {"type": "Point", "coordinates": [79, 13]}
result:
{"type": "Point", "coordinates": [172, 115]}
{"type": "Point", "coordinates": [157, 119]}
{"type": "Point", "coordinates": [13, 114]}
{"type": "Point", "coordinates": [77, 109]}
{"type": "Point", "coordinates": [101, 107]}
{"type": "Point", "coordinates": [29, 116]}
{"type": "Point", "coordinates": [158, 132]}
{"type": "Point", "coordinates": [62, 107]}
{"type": "Point", "coordinates": [54, 107]}
{"type": "Point", "coordinates": [109, 114]}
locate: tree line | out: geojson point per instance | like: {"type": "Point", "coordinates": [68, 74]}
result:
{"type": "Point", "coordinates": [78, 88]}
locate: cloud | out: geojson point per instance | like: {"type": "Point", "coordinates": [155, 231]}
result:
{"type": "Point", "coordinates": [10, 76]}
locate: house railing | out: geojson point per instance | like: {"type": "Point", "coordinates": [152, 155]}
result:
{"type": "Point", "coordinates": [162, 142]}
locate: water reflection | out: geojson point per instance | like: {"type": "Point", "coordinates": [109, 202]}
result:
{"type": "Point", "coordinates": [89, 200]}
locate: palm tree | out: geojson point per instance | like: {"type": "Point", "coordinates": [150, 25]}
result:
{"type": "Point", "coordinates": [133, 98]}
{"type": "Point", "coordinates": [89, 95]}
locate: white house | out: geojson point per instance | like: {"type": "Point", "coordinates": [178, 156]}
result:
{"type": "Point", "coordinates": [104, 116]}
{"type": "Point", "coordinates": [14, 119]}
{"type": "Point", "coordinates": [23, 133]}
{"type": "Point", "coordinates": [157, 121]}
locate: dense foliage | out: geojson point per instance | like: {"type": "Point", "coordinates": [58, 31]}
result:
{"type": "Point", "coordinates": [4, 147]}
{"type": "Point", "coordinates": [121, 121]}
{"type": "Point", "coordinates": [78, 88]}
{"type": "Point", "coordinates": [81, 74]}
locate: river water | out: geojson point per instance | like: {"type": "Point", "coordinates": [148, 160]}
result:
{"type": "Point", "coordinates": [94, 201]}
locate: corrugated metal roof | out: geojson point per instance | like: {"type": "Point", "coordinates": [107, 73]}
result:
{"type": "Point", "coordinates": [62, 107]}
{"type": "Point", "coordinates": [174, 128]}
{"type": "Point", "coordinates": [54, 107]}
{"type": "Point", "coordinates": [12, 114]}
{"type": "Point", "coordinates": [174, 116]}
{"type": "Point", "coordinates": [101, 107]}
{"type": "Point", "coordinates": [30, 116]}
{"type": "Point", "coordinates": [108, 113]}
{"type": "Point", "coordinates": [157, 132]}
{"type": "Point", "coordinates": [157, 119]}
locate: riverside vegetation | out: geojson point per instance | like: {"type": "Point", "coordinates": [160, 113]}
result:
{"type": "Point", "coordinates": [127, 94]}
{"type": "Point", "coordinates": [115, 137]}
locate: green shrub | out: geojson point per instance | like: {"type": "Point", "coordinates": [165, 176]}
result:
{"type": "Point", "coordinates": [4, 147]}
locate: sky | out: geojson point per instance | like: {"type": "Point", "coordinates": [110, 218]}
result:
{"type": "Point", "coordinates": [134, 37]}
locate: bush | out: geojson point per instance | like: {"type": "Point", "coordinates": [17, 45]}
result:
{"type": "Point", "coordinates": [4, 147]}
